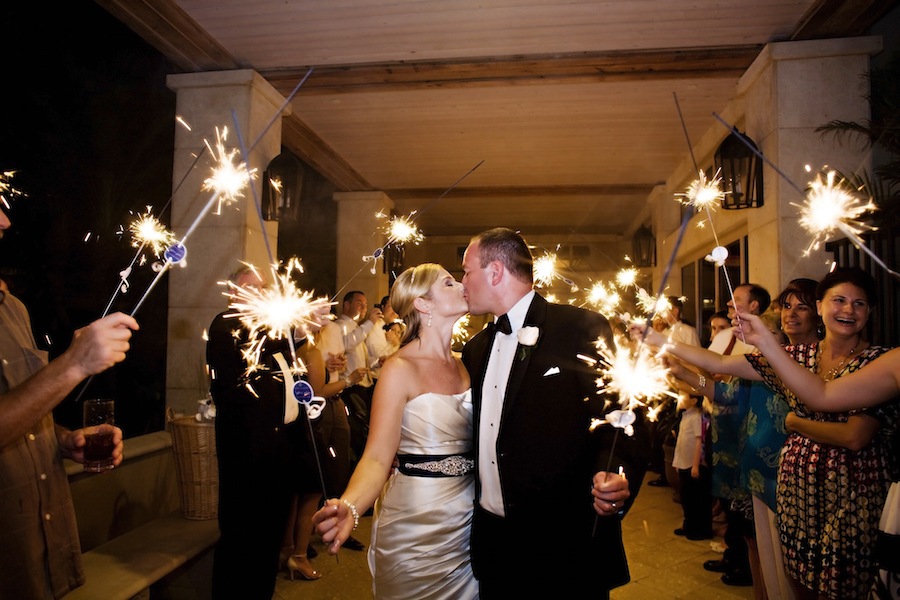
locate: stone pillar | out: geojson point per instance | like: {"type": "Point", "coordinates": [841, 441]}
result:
{"type": "Point", "coordinates": [360, 234]}
{"type": "Point", "coordinates": [791, 89]}
{"type": "Point", "coordinates": [205, 101]}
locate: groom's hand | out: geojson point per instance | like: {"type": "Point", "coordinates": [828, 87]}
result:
{"type": "Point", "coordinates": [610, 491]}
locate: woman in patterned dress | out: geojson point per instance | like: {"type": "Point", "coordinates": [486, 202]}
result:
{"type": "Point", "coordinates": [880, 383]}
{"type": "Point", "coordinates": [836, 467]}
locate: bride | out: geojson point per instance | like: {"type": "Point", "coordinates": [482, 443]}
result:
{"type": "Point", "coordinates": [422, 414]}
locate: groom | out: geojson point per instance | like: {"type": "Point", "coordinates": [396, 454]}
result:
{"type": "Point", "coordinates": [547, 514]}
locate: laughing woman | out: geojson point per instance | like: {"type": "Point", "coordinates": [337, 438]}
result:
{"type": "Point", "coordinates": [835, 467]}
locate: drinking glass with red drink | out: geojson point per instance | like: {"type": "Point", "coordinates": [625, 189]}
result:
{"type": "Point", "coordinates": [99, 426]}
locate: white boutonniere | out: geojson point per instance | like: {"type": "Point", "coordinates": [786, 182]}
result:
{"type": "Point", "coordinates": [527, 338]}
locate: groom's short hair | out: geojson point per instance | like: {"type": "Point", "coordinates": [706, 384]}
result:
{"type": "Point", "coordinates": [507, 246]}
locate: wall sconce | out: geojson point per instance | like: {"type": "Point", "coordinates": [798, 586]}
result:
{"type": "Point", "coordinates": [644, 248]}
{"type": "Point", "coordinates": [741, 172]}
{"type": "Point", "coordinates": [282, 182]}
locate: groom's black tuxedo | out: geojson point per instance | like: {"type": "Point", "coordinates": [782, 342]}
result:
{"type": "Point", "coordinates": [547, 457]}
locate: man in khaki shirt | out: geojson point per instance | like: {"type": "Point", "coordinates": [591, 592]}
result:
{"type": "Point", "coordinates": [39, 545]}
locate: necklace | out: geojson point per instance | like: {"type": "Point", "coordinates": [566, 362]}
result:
{"type": "Point", "coordinates": [832, 374]}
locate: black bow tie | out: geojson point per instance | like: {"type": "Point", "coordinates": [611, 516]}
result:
{"type": "Point", "coordinates": [503, 325]}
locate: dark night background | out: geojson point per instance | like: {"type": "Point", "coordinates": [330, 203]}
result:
{"type": "Point", "coordinates": [89, 128]}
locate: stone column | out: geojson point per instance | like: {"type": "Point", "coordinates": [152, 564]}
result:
{"type": "Point", "coordinates": [360, 234]}
{"type": "Point", "coordinates": [224, 237]}
{"type": "Point", "coordinates": [791, 89]}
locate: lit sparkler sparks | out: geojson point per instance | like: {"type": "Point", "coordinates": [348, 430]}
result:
{"type": "Point", "coordinates": [147, 231]}
{"type": "Point", "coordinates": [604, 298]}
{"type": "Point", "coordinates": [703, 194]}
{"type": "Point", "coordinates": [228, 179]}
{"type": "Point", "coordinates": [7, 191]}
{"type": "Point", "coordinates": [402, 230]}
{"type": "Point", "coordinates": [545, 272]}
{"type": "Point", "coordinates": [638, 376]}
{"type": "Point", "coordinates": [399, 231]}
{"type": "Point", "coordinates": [831, 205]}
{"type": "Point", "coordinates": [627, 276]}
{"type": "Point", "coordinates": [461, 330]}
{"type": "Point", "coordinates": [653, 305]}
{"type": "Point", "coordinates": [274, 312]}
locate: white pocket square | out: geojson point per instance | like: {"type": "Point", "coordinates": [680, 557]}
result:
{"type": "Point", "coordinates": [552, 371]}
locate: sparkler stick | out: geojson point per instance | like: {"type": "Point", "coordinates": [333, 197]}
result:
{"type": "Point", "coordinates": [702, 195]}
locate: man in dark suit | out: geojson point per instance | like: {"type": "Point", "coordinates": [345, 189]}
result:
{"type": "Point", "coordinates": [542, 474]}
{"type": "Point", "coordinates": [253, 452]}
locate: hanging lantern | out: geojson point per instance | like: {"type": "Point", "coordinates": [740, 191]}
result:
{"type": "Point", "coordinates": [741, 172]}
{"type": "Point", "coordinates": [644, 248]}
{"type": "Point", "coordinates": [282, 182]}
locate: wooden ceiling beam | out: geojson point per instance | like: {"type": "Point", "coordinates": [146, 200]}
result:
{"type": "Point", "coordinates": [165, 26]}
{"type": "Point", "coordinates": [303, 141]}
{"type": "Point", "coordinates": [839, 18]}
{"type": "Point", "coordinates": [578, 67]}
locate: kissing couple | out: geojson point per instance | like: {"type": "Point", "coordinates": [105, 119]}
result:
{"type": "Point", "coordinates": [496, 458]}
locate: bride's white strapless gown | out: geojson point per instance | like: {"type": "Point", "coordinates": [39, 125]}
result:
{"type": "Point", "coordinates": [420, 533]}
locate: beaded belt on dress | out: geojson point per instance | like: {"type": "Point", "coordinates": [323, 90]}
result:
{"type": "Point", "coordinates": [443, 465]}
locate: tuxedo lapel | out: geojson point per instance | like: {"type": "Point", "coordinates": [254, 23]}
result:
{"type": "Point", "coordinates": [536, 316]}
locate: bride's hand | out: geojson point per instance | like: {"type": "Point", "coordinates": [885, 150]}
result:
{"type": "Point", "coordinates": [334, 522]}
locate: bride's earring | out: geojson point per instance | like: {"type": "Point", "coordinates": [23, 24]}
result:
{"type": "Point", "coordinates": [429, 319]}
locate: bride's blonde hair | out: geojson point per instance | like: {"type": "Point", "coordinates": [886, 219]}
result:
{"type": "Point", "coordinates": [413, 283]}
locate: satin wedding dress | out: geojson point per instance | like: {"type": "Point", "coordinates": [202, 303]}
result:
{"type": "Point", "coordinates": [420, 533]}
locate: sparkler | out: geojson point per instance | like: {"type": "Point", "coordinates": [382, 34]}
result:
{"type": "Point", "coordinates": [604, 298]}
{"type": "Point", "coordinates": [461, 330]}
{"type": "Point", "coordinates": [399, 231]}
{"type": "Point", "coordinates": [275, 312]}
{"type": "Point", "coordinates": [7, 191]}
{"type": "Point", "coordinates": [627, 276]}
{"type": "Point", "coordinates": [545, 272]}
{"type": "Point", "coordinates": [227, 182]}
{"type": "Point", "coordinates": [653, 305]}
{"type": "Point", "coordinates": [638, 376]}
{"type": "Point", "coordinates": [380, 251]}
{"type": "Point", "coordinates": [835, 205]}
{"type": "Point", "coordinates": [147, 231]}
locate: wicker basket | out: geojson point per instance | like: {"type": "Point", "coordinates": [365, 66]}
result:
{"type": "Point", "coordinates": [196, 466]}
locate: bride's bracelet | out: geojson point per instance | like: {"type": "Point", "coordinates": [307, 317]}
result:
{"type": "Point", "coordinates": [353, 512]}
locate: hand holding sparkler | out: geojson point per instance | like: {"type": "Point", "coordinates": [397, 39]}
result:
{"type": "Point", "coordinates": [756, 333]}
{"type": "Point", "coordinates": [100, 345]}
{"type": "Point", "coordinates": [645, 334]}
{"type": "Point", "coordinates": [610, 491]}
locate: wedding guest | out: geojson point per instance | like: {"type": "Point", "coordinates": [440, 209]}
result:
{"type": "Point", "coordinates": [377, 347]}
{"type": "Point", "coordinates": [693, 472]}
{"type": "Point", "coordinates": [835, 467]}
{"type": "Point", "coordinates": [878, 384]}
{"type": "Point", "coordinates": [253, 454]}
{"type": "Point", "coordinates": [39, 543]}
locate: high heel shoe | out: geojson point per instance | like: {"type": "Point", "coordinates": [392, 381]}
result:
{"type": "Point", "coordinates": [294, 564]}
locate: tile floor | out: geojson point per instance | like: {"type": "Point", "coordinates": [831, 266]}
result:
{"type": "Point", "coordinates": [663, 566]}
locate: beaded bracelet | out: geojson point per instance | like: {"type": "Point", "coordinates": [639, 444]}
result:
{"type": "Point", "coordinates": [353, 512]}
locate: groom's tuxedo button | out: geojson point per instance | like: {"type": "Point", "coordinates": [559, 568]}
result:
{"type": "Point", "coordinates": [503, 325]}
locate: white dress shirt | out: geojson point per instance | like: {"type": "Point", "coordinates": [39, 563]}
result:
{"type": "Point", "coordinates": [493, 394]}
{"type": "Point", "coordinates": [355, 335]}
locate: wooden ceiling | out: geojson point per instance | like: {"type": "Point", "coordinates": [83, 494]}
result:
{"type": "Point", "coordinates": [569, 104]}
